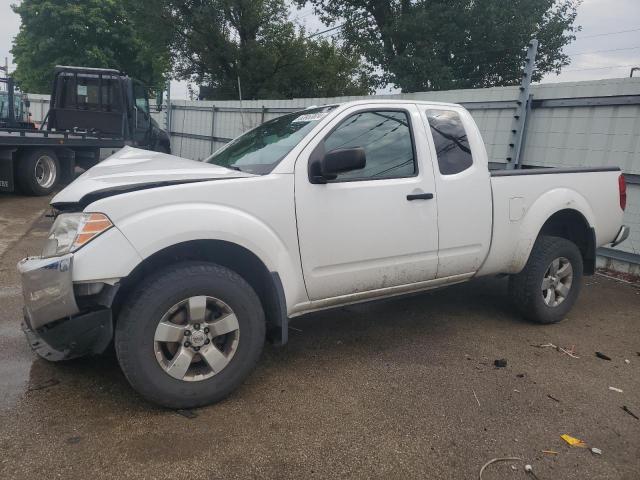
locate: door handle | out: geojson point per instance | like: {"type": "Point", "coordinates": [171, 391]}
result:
{"type": "Point", "coordinates": [420, 196]}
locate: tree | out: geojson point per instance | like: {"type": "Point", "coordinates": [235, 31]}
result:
{"type": "Point", "coordinates": [442, 44]}
{"type": "Point", "coordinates": [90, 33]}
{"type": "Point", "coordinates": [215, 42]}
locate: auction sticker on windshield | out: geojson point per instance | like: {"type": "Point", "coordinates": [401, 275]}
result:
{"type": "Point", "coordinates": [310, 117]}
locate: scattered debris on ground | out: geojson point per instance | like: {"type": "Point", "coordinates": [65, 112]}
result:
{"type": "Point", "coordinates": [596, 451]}
{"type": "Point", "coordinates": [567, 351]}
{"type": "Point", "coordinates": [529, 469]}
{"type": "Point", "coordinates": [603, 356]}
{"type": "Point", "coordinates": [73, 440]}
{"type": "Point", "coordinates": [626, 409]}
{"type": "Point", "coordinates": [553, 398]}
{"type": "Point", "coordinates": [615, 389]}
{"type": "Point", "coordinates": [476, 396]}
{"type": "Point", "coordinates": [627, 361]}
{"type": "Point", "coordinates": [574, 442]}
{"type": "Point", "coordinates": [500, 363]}
{"type": "Point", "coordinates": [550, 452]}
{"type": "Point", "coordinates": [500, 459]}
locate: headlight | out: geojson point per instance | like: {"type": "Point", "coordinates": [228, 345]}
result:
{"type": "Point", "coordinates": [71, 231]}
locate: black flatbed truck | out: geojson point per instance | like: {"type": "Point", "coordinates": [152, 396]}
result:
{"type": "Point", "coordinates": [92, 112]}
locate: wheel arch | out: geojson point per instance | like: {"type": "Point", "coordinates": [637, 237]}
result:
{"type": "Point", "coordinates": [547, 215]}
{"type": "Point", "coordinates": [267, 284]}
{"type": "Point", "coordinates": [572, 225]}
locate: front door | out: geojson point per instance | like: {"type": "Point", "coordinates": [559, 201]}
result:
{"type": "Point", "coordinates": [373, 228]}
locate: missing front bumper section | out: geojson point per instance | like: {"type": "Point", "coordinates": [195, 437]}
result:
{"type": "Point", "coordinates": [76, 336]}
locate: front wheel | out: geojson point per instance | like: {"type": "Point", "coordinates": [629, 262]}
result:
{"type": "Point", "coordinates": [550, 282]}
{"type": "Point", "coordinates": [190, 335]}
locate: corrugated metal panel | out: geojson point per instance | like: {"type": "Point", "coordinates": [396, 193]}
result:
{"type": "Point", "coordinates": [39, 106]}
{"type": "Point", "coordinates": [584, 136]}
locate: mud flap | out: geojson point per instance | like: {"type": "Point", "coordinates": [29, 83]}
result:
{"type": "Point", "coordinates": [277, 320]}
{"type": "Point", "coordinates": [6, 170]}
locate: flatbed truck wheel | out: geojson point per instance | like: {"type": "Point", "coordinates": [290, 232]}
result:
{"type": "Point", "coordinates": [37, 171]}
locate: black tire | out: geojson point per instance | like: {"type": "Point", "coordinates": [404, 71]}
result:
{"type": "Point", "coordinates": [142, 312]}
{"type": "Point", "coordinates": [525, 288]}
{"type": "Point", "coordinates": [29, 172]}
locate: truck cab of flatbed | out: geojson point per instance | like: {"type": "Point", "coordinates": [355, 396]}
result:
{"type": "Point", "coordinates": [93, 112]}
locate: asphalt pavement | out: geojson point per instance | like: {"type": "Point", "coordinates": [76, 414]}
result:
{"type": "Point", "coordinates": [405, 388]}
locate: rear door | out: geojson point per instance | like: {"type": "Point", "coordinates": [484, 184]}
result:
{"type": "Point", "coordinates": [463, 187]}
{"type": "Point", "coordinates": [366, 230]}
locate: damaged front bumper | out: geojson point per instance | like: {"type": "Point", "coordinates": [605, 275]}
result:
{"type": "Point", "coordinates": [56, 326]}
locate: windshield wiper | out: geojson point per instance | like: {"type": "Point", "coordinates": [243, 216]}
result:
{"type": "Point", "coordinates": [233, 167]}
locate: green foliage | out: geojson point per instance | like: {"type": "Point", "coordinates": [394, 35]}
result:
{"type": "Point", "coordinates": [443, 44]}
{"type": "Point", "coordinates": [89, 33]}
{"type": "Point", "coordinates": [216, 41]}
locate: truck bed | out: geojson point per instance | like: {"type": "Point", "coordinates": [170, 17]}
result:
{"type": "Point", "coordinates": [549, 171]}
{"type": "Point", "coordinates": [523, 200]}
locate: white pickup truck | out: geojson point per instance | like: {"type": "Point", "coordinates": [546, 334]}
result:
{"type": "Point", "coordinates": [188, 266]}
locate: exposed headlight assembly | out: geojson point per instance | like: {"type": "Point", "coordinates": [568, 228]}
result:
{"type": "Point", "coordinates": [70, 231]}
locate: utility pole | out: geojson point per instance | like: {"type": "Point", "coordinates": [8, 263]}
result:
{"type": "Point", "coordinates": [6, 67]}
{"type": "Point", "coordinates": [522, 109]}
{"type": "Point", "coordinates": [167, 118]}
{"type": "Point", "coordinates": [11, 100]}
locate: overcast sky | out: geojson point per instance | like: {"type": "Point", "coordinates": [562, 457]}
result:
{"type": "Point", "coordinates": [599, 52]}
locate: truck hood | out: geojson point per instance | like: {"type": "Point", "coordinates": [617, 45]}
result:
{"type": "Point", "coordinates": [132, 169]}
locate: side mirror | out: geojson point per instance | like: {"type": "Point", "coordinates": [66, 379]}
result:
{"type": "Point", "coordinates": [342, 160]}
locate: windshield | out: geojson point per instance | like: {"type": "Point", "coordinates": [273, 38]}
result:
{"type": "Point", "coordinates": [259, 150]}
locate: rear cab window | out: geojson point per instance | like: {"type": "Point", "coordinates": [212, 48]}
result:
{"type": "Point", "coordinates": [450, 140]}
{"type": "Point", "coordinates": [87, 91]}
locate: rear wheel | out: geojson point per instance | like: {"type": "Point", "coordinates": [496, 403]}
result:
{"type": "Point", "coordinates": [549, 284]}
{"type": "Point", "coordinates": [190, 335]}
{"type": "Point", "coordinates": [38, 171]}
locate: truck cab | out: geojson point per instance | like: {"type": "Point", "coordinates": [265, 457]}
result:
{"type": "Point", "coordinates": [97, 100]}
{"type": "Point", "coordinates": [93, 113]}
{"type": "Point", "coordinates": [14, 106]}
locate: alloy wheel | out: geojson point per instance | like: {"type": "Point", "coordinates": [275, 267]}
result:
{"type": "Point", "coordinates": [196, 338]}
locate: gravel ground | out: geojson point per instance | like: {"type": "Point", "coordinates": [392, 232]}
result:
{"type": "Point", "coordinates": [404, 388]}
